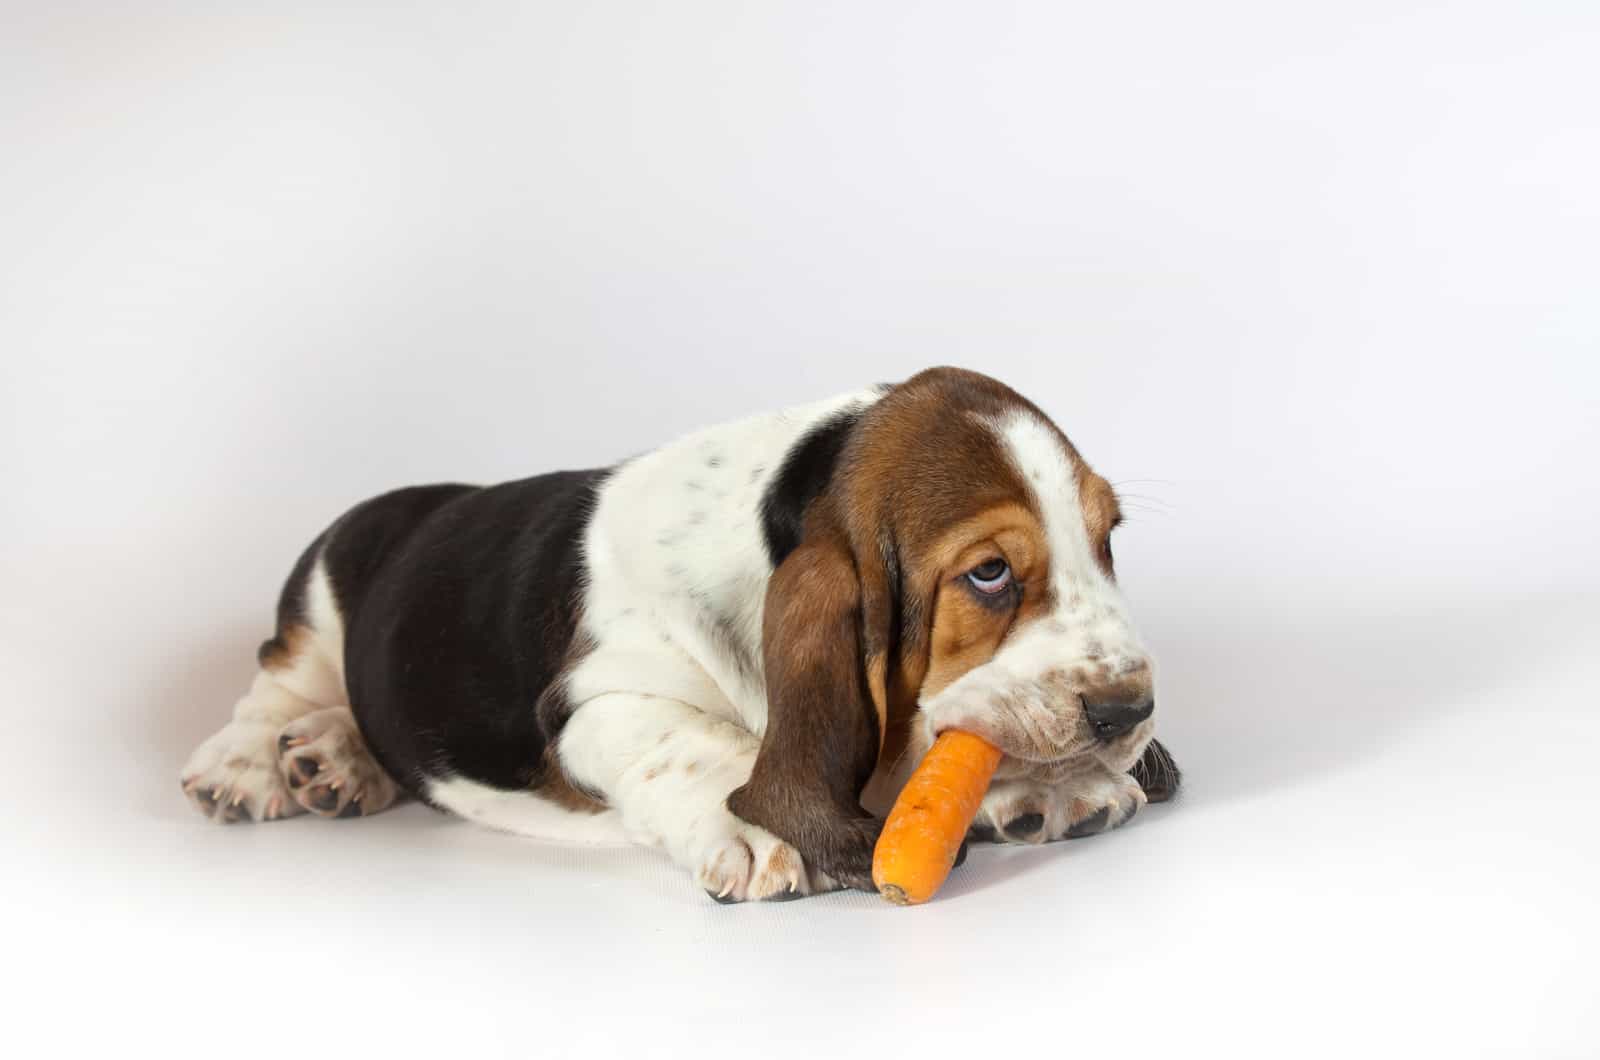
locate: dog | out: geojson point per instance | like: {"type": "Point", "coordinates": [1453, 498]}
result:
{"type": "Point", "coordinates": [735, 647]}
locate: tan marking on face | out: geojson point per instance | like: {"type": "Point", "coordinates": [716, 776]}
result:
{"type": "Point", "coordinates": [1101, 512]}
{"type": "Point", "coordinates": [927, 489]}
{"type": "Point", "coordinates": [965, 635]}
{"type": "Point", "coordinates": [967, 630]}
{"type": "Point", "coordinates": [925, 477]}
{"type": "Point", "coordinates": [905, 680]}
{"type": "Point", "coordinates": [1013, 521]}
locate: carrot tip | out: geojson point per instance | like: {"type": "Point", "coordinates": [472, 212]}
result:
{"type": "Point", "coordinates": [893, 892]}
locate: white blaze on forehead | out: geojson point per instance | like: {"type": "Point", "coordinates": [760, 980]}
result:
{"type": "Point", "coordinates": [1088, 603]}
{"type": "Point", "coordinates": [1026, 699]}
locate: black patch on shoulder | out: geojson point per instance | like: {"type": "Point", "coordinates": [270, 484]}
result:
{"type": "Point", "coordinates": [805, 473]}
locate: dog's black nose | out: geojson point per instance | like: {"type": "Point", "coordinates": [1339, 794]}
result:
{"type": "Point", "coordinates": [1111, 720]}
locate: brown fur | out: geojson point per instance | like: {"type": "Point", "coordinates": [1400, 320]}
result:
{"type": "Point", "coordinates": [868, 613]}
{"type": "Point", "coordinates": [559, 788]}
{"type": "Point", "coordinates": [1101, 513]}
{"type": "Point", "coordinates": [822, 738]}
{"type": "Point", "coordinates": [920, 466]}
{"type": "Point", "coordinates": [282, 650]}
{"type": "Point", "coordinates": [965, 633]}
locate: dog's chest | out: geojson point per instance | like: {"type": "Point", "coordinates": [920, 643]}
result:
{"type": "Point", "coordinates": [678, 566]}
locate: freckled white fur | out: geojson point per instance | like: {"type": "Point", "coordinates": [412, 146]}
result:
{"type": "Point", "coordinates": [677, 573]}
{"type": "Point", "coordinates": [1087, 601]}
{"type": "Point", "coordinates": [678, 567]}
{"type": "Point", "coordinates": [670, 699]}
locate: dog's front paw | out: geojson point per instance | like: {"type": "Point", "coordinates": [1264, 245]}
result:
{"type": "Point", "coordinates": [233, 776]}
{"type": "Point", "coordinates": [843, 848]}
{"type": "Point", "coordinates": [836, 844]}
{"type": "Point", "coordinates": [750, 864]}
{"type": "Point", "coordinates": [1157, 772]}
{"type": "Point", "coordinates": [1025, 811]}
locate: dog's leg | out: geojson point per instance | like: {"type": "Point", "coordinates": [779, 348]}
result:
{"type": "Point", "coordinates": [668, 768]}
{"type": "Point", "coordinates": [233, 776]}
{"type": "Point", "coordinates": [1074, 803]}
{"type": "Point", "coordinates": [292, 744]}
{"type": "Point", "coordinates": [1081, 803]}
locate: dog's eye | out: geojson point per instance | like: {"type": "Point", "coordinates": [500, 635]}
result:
{"type": "Point", "coordinates": [991, 577]}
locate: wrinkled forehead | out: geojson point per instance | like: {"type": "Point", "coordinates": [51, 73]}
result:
{"type": "Point", "coordinates": [948, 448]}
{"type": "Point", "coordinates": [1076, 507]}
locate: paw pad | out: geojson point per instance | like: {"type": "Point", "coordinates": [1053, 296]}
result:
{"type": "Point", "coordinates": [1027, 828]}
{"type": "Point", "coordinates": [328, 769]}
{"type": "Point", "coordinates": [300, 771]}
{"type": "Point", "coordinates": [1093, 824]}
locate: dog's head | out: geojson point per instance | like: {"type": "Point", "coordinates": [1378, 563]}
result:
{"type": "Point", "coordinates": [955, 571]}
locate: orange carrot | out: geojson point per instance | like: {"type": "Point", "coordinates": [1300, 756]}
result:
{"type": "Point", "coordinates": [922, 836]}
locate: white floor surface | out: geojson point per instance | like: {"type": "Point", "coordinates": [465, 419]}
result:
{"type": "Point", "coordinates": [1386, 846]}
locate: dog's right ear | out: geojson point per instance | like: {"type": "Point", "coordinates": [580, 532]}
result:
{"type": "Point", "coordinates": [822, 737]}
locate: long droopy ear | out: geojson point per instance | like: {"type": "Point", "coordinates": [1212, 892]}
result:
{"type": "Point", "coordinates": [824, 708]}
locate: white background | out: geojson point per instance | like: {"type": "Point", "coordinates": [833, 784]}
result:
{"type": "Point", "coordinates": [1317, 283]}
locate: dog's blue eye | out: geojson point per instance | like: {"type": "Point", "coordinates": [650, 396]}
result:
{"type": "Point", "coordinates": [991, 577]}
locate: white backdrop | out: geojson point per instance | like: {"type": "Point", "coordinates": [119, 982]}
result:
{"type": "Point", "coordinates": [1316, 283]}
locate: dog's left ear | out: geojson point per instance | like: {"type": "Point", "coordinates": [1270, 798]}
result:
{"type": "Point", "coordinates": [825, 642]}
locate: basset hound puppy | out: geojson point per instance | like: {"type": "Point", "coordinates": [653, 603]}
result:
{"type": "Point", "coordinates": [735, 647]}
